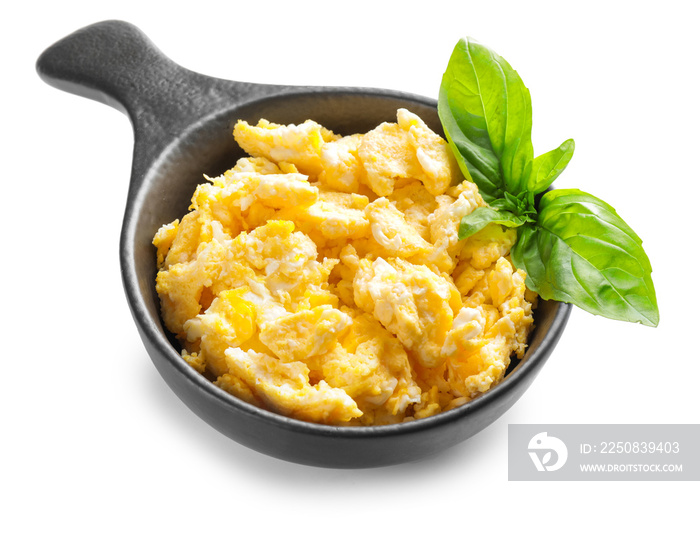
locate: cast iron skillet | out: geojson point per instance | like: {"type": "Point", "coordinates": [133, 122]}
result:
{"type": "Point", "coordinates": [183, 124]}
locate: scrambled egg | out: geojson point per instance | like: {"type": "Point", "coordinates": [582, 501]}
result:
{"type": "Point", "coordinates": [322, 277]}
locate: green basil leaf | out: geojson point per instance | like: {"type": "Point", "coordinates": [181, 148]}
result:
{"type": "Point", "coordinates": [475, 158]}
{"type": "Point", "coordinates": [486, 112]}
{"type": "Point", "coordinates": [547, 167]}
{"type": "Point", "coordinates": [522, 204]}
{"type": "Point", "coordinates": [518, 154]}
{"type": "Point", "coordinates": [462, 118]}
{"type": "Point", "coordinates": [580, 251]}
{"type": "Point", "coordinates": [484, 215]}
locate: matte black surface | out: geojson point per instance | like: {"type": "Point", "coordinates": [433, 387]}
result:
{"type": "Point", "coordinates": [183, 123]}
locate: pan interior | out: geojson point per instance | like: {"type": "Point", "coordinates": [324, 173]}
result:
{"type": "Point", "coordinates": [209, 148]}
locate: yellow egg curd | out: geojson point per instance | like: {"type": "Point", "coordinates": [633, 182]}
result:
{"type": "Point", "coordinates": [323, 278]}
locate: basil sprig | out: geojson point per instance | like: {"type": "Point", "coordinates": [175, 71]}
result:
{"type": "Point", "coordinates": [573, 246]}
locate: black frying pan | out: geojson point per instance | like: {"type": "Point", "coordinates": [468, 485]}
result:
{"type": "Point", "coordinates": [183, 123]}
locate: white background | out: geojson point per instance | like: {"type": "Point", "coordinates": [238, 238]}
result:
{"type": "Point", "coordinates": [95, 444]}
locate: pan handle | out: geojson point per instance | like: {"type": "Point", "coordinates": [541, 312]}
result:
{"type": "Point", "coordinates": [113, 62]}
